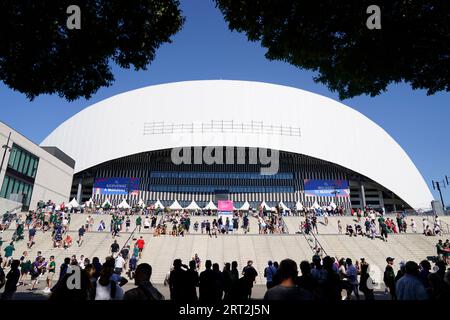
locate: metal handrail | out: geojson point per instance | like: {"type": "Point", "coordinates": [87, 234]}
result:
{"type": "Point", "coordinates": [445, 227]}
{"type": "Point", "coordinates": [11, 216]}
{"type": "Point", "coordinates": [318, 243]}
{"type": "Point", "coordinates": [307, 241]}
{"type": "Point", "coordinates": [443, 224]}
{"type": "Point", "coordinates": [285, 227]}
{"type": "Point", "coordinates": [131, 235]}
{"type": "Point", "coordinates": [14, 209]}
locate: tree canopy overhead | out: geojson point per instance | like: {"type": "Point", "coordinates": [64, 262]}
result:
{"type": "Point", "coordinates": [331, 38]}
{"type": "Point", "coordinates": [40, 55]}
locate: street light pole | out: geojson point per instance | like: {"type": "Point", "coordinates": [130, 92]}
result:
{"type": "Point", "coordinates": [6, 147]}
{"type": "Point", "coordinates": [437, 186]}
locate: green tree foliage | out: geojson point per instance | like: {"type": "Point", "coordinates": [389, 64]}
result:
{"type": "Point", "coordinates": [40, 55]}
{"type": "Point", "coordinates": [331, 38]}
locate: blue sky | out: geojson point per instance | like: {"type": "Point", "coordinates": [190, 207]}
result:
{"type": "Point", "coordinates": [206, 49]}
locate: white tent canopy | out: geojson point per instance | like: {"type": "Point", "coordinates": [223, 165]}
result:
{"type": "Point", "coordinates": [315, 205]}
{"type": "Point", "coordinates": [175, 206]}
{"type": "Point", "coordinates": [123, 205]}
{"type": "Point", "coordinates": [89, 203]}
{"type": "Point", "coordinates": [265, 206]}
{"type": "Point", "coordinates": [333, 205]}
{"type": "Point", "coordinates": [210, 206]}
{"type": "Point", "coordinates": [106, 203]}
{"type": "Point", "coordinates": [299, 206]}
{"type": "Point", "coordinates": [245, 206]}
{"type": "Point", "coordinates": [193, 206]}
{"type": "Point", "coordinates": [73, 204]}
{"type": "Point", "coordinates": [141, 203]}
{"type": "Point", "coordinates": [158, 204]}
{"type": "Point", "coordinates": [283, 206]}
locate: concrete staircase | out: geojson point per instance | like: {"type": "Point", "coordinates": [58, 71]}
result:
{"type": "Point", "coordinates": [161, 251]}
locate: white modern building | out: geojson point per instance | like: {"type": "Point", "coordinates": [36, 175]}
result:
{"type": "Point", "coordinates": [328, 152]}
{"type": "Point", "coordinates": [29, 173]}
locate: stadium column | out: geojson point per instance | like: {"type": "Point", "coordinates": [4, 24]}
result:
{"type": "Point", "coordinates": [80, 181]}
{"type": "Point", "coordinates": [381, 199]}
{"type": "Point", "coordinates": [363, 196]}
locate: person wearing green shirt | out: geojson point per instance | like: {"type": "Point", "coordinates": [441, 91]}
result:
{"type": "Point", "coordinates": [136, 251]}
{"type": "Point", "coordinates": [8, 254]}
{"type": "Point", "coordinates": [139, 223]}
{"type": "Point", "coordinates": [25, 267]}
{"type": "Point", "coordinates": [384, 231]}
{"type": "Point", "coordinates": [19, 232]}
{"type": "Point", "coordinates": [380, 222]}
{"type": "Point", "coordinates": [50, 274]}
{"type": "Point", "coordinates": [53, 218]}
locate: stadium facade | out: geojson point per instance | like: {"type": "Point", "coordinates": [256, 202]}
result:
{"type": "Point", "coordinates": [328, 152]}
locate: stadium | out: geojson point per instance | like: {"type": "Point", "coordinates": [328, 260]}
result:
{"type": "Point", "coordinates": [323, 151]}
{"type": "Point", "coordinates": [248, 142]}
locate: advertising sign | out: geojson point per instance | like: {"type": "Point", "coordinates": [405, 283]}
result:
{"type": "Point", "coordinates": [120, 186]}
{"type": "Point", "coordinates": [326, 188]}
{"type": "Point", "coordinates": [225, 205]}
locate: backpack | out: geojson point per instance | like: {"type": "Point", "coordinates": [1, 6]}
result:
{"type": "Point", "coordinates": [112, 293]}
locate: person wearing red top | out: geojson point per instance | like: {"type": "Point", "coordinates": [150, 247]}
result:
{"type": "Point", "coordinates": [140, 244]}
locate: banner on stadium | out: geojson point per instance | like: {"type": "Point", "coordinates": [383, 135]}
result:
{"type": "Point", "coordinates": [116, 186]}
{"type": "Point", "coordinates": [225, 205]}
{"type": "Point", "coordinates": [326, 188]}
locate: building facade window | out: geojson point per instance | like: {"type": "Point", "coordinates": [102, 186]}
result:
{"type": "Point", "coordinates": [23, 162]}
{"type": "Point", "coordinates": [19, 177]}
{"type": "Point", "coordinates": [16, 190]}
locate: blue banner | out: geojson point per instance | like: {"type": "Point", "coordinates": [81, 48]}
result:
{"type": "Point", "coordinates": [327, 188]}
{"type": "Point", "coordinates": [120, 186]}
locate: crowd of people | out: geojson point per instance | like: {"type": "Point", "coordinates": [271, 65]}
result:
{"type": "Point", "coordinates": [388, 226]}
{"type": "Point", "coordinates": [372, 224]}
{"type": "Point", "coordinates": [323, 278]}
{"type": "Point", "coordinates": [272, 224]}
{"type": "Point", "coordinates": [26, 271]}
{"type": "Point", "coordinates": [179, 224]}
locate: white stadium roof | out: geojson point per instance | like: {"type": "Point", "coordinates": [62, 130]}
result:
{"type": "Point", "coordinates": [284, 118]}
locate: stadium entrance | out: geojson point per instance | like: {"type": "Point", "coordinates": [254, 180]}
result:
{"type": "Point", "coordinates": [152, 176]}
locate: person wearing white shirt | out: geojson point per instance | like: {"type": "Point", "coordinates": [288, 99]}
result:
{"type": "Point", "coordinates": [107, 289]}
{"type": "Point", "coordinates": [438, 221]}
{"type": "Point", "coordinates": [413, 226]}
{"type": "Point", "coordinates": [424, 224]}
{"type": "Point", "coordinates": [119, 264]}
{"type": "Point", "coordinates": [81, 262]}
{"type": "Point", "coordinates": [437, 230]}
{"type": "Point", "coordinates": [146, 223]}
